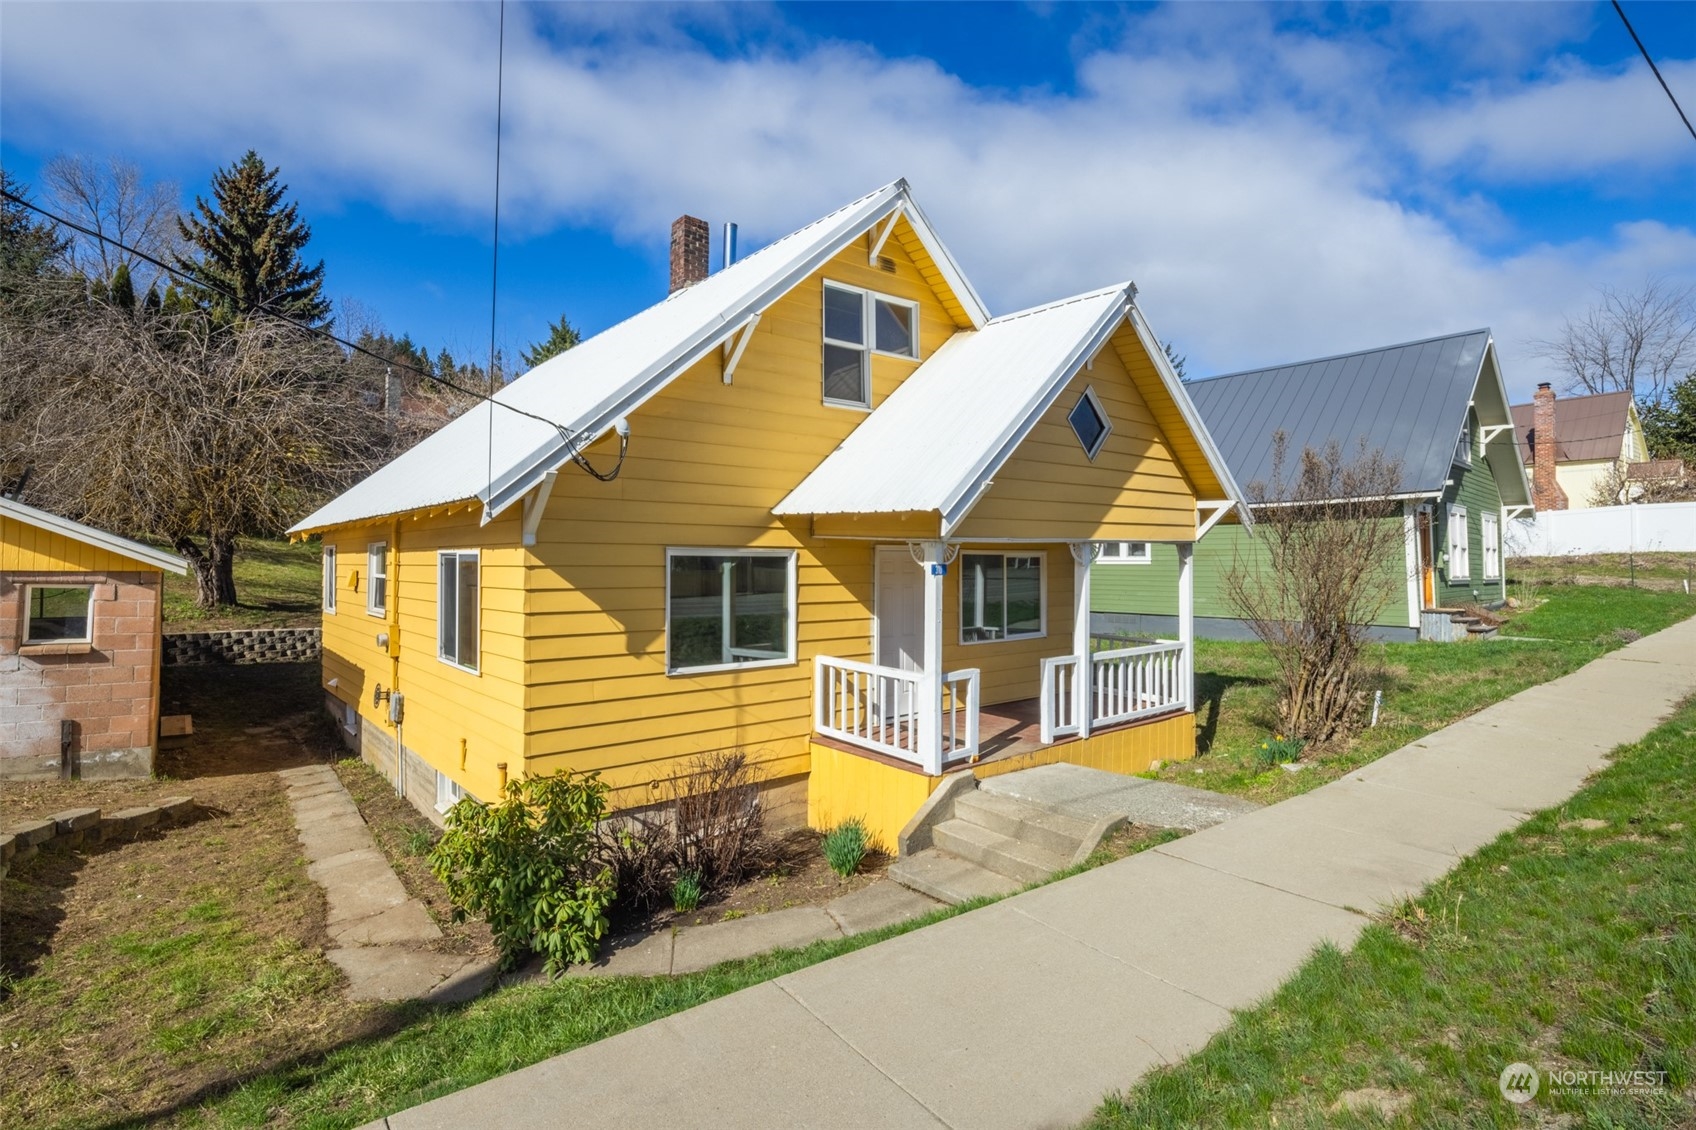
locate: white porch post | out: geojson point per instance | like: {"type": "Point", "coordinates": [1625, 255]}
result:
{"type": "Point", "coordinates": [933, 558]}
{"type": "Point", "coordinates": [1186, 618]}
{"type": "Point", "coordinates": [1083, 556]}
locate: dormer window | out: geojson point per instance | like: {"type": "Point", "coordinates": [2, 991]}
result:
{"type": "Point", "coordinates": [858, 323]}
{"type": "Point", "coordinates": [1463, 449]}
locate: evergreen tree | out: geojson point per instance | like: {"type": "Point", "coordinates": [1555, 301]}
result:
{"type": "Point", "coordinates": [28, 246]}
{"type": "Point", "coordinates": [121, 290]}
{"type": "Point", "coordinates": [1670, 424]}
{"type": "Point", "coordinates": [247, 241]}
{"type": "Point", "coordinates": [561, 336]}
{"type": "Point", "coordinates": [445, 368]}
{"type": "Point", "coordinates": [1177, 360]}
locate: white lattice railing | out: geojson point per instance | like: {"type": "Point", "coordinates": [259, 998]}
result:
{"type": "Point", "coordinates": [1133, 682]}
{"type": "Point", "coordinates": [882, 709]}
{"type": "Point", "coordinates": [1059, 697]}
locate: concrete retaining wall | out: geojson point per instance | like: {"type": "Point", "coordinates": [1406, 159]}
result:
{"type": "Point", "coordinates": [78, 826]}
{"type": "Point", "coordinates": [243, 645]}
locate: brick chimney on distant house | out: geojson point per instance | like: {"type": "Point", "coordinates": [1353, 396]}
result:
{"type": "Point", "coordinates": [690, 243]}
{"type": "Point", "coordinates": [1546, 492]}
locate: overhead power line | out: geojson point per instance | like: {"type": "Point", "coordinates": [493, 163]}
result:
{"type": "Point", "coordinates": [189, 277]}
{"type": "Point", "coordinates": [1654, 68]}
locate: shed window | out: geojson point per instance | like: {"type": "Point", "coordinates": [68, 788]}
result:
{"type": "Point", "coordinates": [1001, 597]}
{"type": "Point", "coordinates": [858, 323]}
{"type": "Point", "coordinates": [1489, 535]}
{"type": "Point", "coordinates": [729, 608]}
{"type": "Point", "coordinates": [457, 608]}
{"type": "Point", "coordinates": [59, 614]}
{"type": "Point", "coordinates": [377, 579]}
{"type": "Point", "coordinates": [1089, 422]}
{"type": "Point", "coordinates": [1460, 545]}
{"type": "Point", "coordinates": [1125, 553]}
{"type": "Point", "coordinates": [329, 579]}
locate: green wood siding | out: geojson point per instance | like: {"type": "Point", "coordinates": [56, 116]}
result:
{"type": "Point", "coordinates": [1152, 589]}
{"type": "Point", "coordinates": [1475, 489]}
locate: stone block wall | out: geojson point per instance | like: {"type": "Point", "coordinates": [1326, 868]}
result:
{"type": "Point", "coordinates": [106, 688]}
{"type": "Point", "coordinates": [20, 839]}
{"type": "Point", "coordinates": [244, 645]}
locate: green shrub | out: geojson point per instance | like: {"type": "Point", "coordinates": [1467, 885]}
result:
{"type": "Point", "coordinates": [686, 892]}
{"type": "Point", "coordinates": [845, 846]}
{"type": "Point", "coordinates": [527, 865]}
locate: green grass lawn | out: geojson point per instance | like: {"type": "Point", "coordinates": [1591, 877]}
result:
{"type": "Point", "coordinates": [1568, 944]}
{"type": "Point", "coordinates": [277, 585]}
{"type": "Point", "coordinates": [1425, 685]}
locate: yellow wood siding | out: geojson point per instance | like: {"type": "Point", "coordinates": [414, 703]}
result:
{"type": "Point", "coordinates": [1126, 749]}
{"type": "Point", "coordinates": [707, 463]}
{"type": "Point", "coordinates": [1134, 489]}
{"type": "Point", "coordinates": [443, 704]}
{"type": "Point", "coordinates": [1011, 669]}
{"type": "Point", "coordinates": [845, 785]}
{"type": "Point", "coordinates": [30, 549]}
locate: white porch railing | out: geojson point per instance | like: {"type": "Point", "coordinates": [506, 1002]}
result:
{"type": "Point", "coordinates": [1059, 698]}
{"type": "Point", "coordinates": [881, 709]}
{"type": "Point", "coordinates": [1134, 682]}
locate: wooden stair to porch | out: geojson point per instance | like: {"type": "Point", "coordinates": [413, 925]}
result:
{"type": "Point", "coordinates": [992, 845]}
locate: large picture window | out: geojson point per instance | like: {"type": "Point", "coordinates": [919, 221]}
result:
{"type": "Point", "coordinates": [456, 608]}
{"type": "Point", "coordinates": [1001, 597]}
{"type": "Point", "coordinates": [1460, 546]}
{"type": "Point", "coordinates": [729, 608]}
{"type": "Point", "coordinates": [858, 323]}
{"type": "Point", "coordinates": [59, 614]}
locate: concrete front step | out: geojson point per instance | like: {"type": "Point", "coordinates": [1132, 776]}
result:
{"type": "Point", "coordinates": [1021, 820]}
{"type": "Point", "coordinates": [1016, 859]}
{"type": "Point", "coordinates": [949, 878]}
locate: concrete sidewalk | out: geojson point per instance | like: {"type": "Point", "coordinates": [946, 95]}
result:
{"type": "Point", "coordinates": [1026, 1013]}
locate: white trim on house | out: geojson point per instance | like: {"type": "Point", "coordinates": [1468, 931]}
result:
{"type": "Point", "coordinates": [1127, 553]}
{"type": "Point", "coordinates": [867, 347]}
{"type": "Point", "coordinates": [1490, 547]}
{"type": "Point", "coordinates": [88, 535]}
{"type": "Point", "coordinates": [457, 661]}
{"type": "Point", "coordinates": [1041, 557]}
{"type": "Point", "coordinates": [1410, 557]}
{"type": "Point", "coordinates": [1462, 570]}
{"type": "Point", "coordinates": [792, 608]}
{"type": "Point", "coordinates": [87, 613]}
{"type": "Point", "coordinates": [449, 792]}
{"type": "Point", "coordinates": [376, 569]}
{"type": "Point", "coordinates": [328, 580]}
{"type": "Point", "coordinates": [1094, 402]}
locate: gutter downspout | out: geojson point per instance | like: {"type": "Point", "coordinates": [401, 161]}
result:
{"type": "Point", "coordinates": [392, 596]}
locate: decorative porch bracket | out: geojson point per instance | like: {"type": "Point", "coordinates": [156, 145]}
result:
{"type": "Point", "coordinates": [1216, 511]}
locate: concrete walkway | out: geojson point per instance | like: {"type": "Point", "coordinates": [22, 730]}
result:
{"type": "Point", "coordinates": [381, 934]}
{"type": "Point", "coordinates": [1027, 1012]}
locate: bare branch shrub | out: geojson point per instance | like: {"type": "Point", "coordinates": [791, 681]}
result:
{"type": "Point", "coordinates": [1327, 559]}
{"type": "Point", "coordinates": [110, 197]}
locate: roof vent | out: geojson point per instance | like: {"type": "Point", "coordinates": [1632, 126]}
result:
{"type": "Point", "coordinates": [885, 263]}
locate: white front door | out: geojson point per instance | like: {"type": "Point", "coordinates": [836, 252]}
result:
{"type": "Point", "coordinates": [899, 610]}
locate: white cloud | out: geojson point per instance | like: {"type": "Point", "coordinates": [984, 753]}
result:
{"type": "Point", "coordinates": [1239, 172]}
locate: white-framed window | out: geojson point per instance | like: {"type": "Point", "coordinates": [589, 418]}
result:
{"type": "Point", "coordinates": [59, 614]}
{"type": "Point", "coordinates": [457, 607]}
{"type": "Point", "coordinates": [1089, 422]}
{"type": "Point", "coordinates": [329, 579]}
{"type": "Point", "coordinates": [1125, 553]}
{"type": "Point", "coordinates": [727, 609]}
{"type": "Point", "coordinates": [1489, 534]}
{"type": "Point", "coordinates": [1460, 546]}
{"type": "Point", "coordinates": [448, 792]}
{"type": "Point", "coordinates": [377, 578]}
{"type": "Point", "coordinates": [858, 323]}
{"type": "Point", "coordinates": [1463, 446]}
{"type": "Point", "coordinates": [1002, 597]}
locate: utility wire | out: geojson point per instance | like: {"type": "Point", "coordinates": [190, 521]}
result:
{"type": "Point", "coordinates": [495, 247]}
{"type": "Point", "coordinates": [1654, 68]}
{"type": "Point", "coordinates": [190, 277]}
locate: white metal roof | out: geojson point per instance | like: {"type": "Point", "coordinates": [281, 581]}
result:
{"type": "Point", "coordinates": [586, 388]}
{"type": "Point", "coordinates": [934, 443]}
{"type": "Point", "coordinates": [89, 535]}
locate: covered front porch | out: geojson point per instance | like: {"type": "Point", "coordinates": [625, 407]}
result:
{"type": "Point", "coordinates": [915, 710]}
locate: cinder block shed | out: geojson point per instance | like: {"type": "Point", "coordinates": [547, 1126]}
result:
{"type": "Point", "coordinates": [80, 619]}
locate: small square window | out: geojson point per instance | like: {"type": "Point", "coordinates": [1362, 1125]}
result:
{"type": "Point", "coordinates": [1089, 423]}
{"type": "Point", "coordinates": [1125, 553]}
{"type": "Point", "coordinates": [59, 614]}
{"type": "Point", "coordinates": [895, 328]}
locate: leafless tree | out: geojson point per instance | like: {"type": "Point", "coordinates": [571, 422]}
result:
{"type": "Point", "coordinates": [1637, 341]}
{"type": "Point", "coordinates": [175, 428]}
{"type": "Point", "coordinates": [1663, 480]}
{"type": "Point", "coordinates": [1326, 558]}
{"type": "Point", "coordinates": [112, 198]}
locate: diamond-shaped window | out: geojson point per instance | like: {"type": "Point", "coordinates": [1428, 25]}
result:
{"type": "Point", "coordinates": [1089, 423]}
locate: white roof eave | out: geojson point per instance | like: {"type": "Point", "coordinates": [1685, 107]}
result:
{"type": "Point", "coordinates": [89, 535]}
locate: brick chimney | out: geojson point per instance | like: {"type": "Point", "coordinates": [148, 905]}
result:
{"type": "Point", "coordinates": [1546, 492]}
{"type": "Point", "coordinates": [690, 239]}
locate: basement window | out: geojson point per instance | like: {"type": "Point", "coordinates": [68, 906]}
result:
{"type": "Point", "coordinates": [729, 608]}
{"type": "Point", "coordinates": [448, 792]}
{"type": "Point", "coordinates": [1089, 422]}
{"type": "Point", "coordinates": [1001, 597]}
{"type": "Point", "coordinates": [59, 614]}
{"type": "Point", "coordinates": [457, 607]}
{"type": "Point", "coordinates": [858, 323]}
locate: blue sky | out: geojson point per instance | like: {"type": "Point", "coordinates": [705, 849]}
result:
{"type": "Point", "coordinates": [1282, 181]}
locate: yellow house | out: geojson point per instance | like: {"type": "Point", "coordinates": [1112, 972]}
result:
{"type": "Point", "coordinates": [817, 506]}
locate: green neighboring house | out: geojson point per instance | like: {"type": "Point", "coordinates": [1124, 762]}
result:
{"type": "Point", "coordinates": [1438, 405]}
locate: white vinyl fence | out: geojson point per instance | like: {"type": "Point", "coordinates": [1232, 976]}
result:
{"type": "Point", "coordinates": [1660, 527]}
